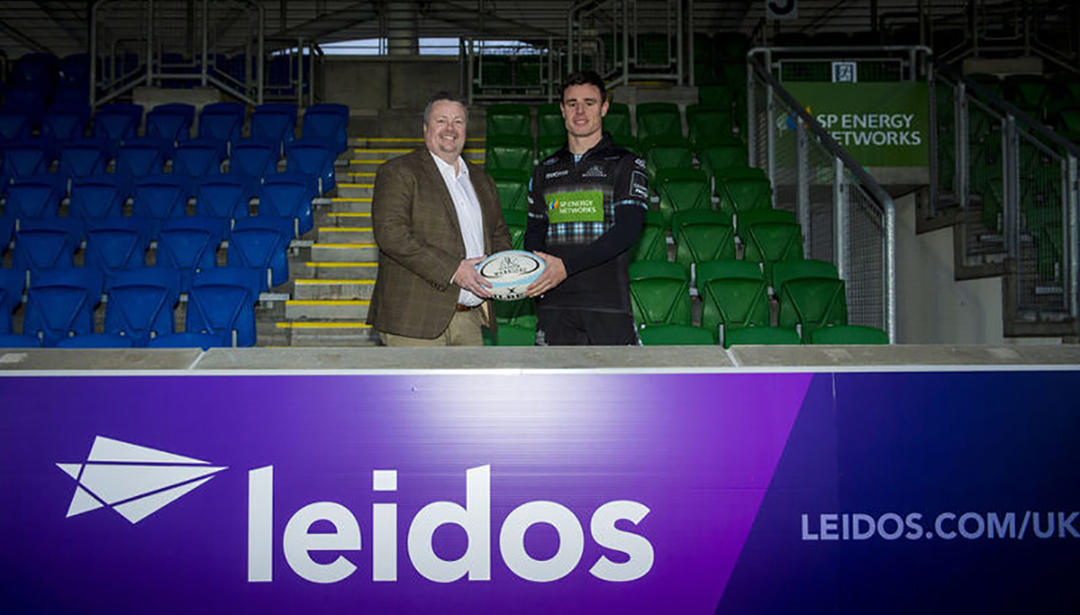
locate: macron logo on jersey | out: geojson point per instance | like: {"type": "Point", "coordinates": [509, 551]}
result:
{"type": "Point", "coordinates": [135, 481]}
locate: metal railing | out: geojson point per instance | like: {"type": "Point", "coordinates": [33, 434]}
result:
{"type": "Point", "coordinates": [632, 39]}
{"type": "Point", "coordinates": [501, 70]}
{"type": "Point", "coordinates": [1022, 177]}
{"type": "Point", "coordinates": [218, 44]}
{"type": "Point", "coordinates": [846, 217]}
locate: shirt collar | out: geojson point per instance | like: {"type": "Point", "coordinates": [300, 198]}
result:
{"type": "Point", "coordinates": [448, 169]}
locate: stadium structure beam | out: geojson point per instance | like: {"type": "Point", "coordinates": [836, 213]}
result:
{"type": "Point", "coordinates": [469, 16]}
{"type": "Point", "coordinates": [340, 20]}
{"type": "Point", "coordinates": [64, 24]}
{"type": "Point", "coordinates": [23, 39]}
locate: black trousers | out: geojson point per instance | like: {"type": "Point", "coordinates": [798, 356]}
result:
{"type": "Point", "coordinates": [566, 327]}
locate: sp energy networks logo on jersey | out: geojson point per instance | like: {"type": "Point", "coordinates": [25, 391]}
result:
{"type": "Point", "coordinates": [137, 481]}
{"type": "Point", "coordinates": [133, 480]}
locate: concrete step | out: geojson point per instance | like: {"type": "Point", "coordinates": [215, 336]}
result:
{"type": "Point", "coordinates": [346, 234]}
{"type": "Point", "coordinates": [344, 252]}
{"type": "Point", "coordinates": [350, 188]}
{"type": "Point", "coordinates": [373, 157]}
{"type": "Point", "coordinates": [403, 142]}
{"type": "Point", "coordinates": [326, 217]}
{"type": "Point", "coordinates": [359, 270]}
{"type": "Point", "coordinates": [350, 203]}
{"type": "Point", "coordinates": [332, 288]}
{"type": "Point", "coordinates": [337, 333]}
{"type": "Point", "coordinates": [326, 309]}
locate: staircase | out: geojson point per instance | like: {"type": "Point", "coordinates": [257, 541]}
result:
{"type": "Point", "coordinates": [333, 272]}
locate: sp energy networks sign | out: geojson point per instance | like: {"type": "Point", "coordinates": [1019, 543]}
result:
{"type": "Point", "coordinates": [581, 493]}
{"type": "Point", "coordinates": [881, 124]}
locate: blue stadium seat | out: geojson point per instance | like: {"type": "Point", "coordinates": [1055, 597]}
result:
{"type": "Point", "coordinates": [98, 196]}
{"type": "Point", "coordinates": [65, 124]}
{"type": "Point", "coordinates": [289, 195]}
{"type": "Point", "coordinates": [199, 157]}
{"type": "Point", "coordinates": [60, 303]}
{"type": "Point", "coordinates": [141, 303]}
{"type": "Point", "coordinates": [222, 303]}
{"type": "Point", "coordinates": [45, 243]}
{"type": "Point", "coordinates": [261, 243]}
{"type": "Point", "coordinates": [223, 121]}
{"type": "Point", "coordinates": [7, 229]}
{"type": "Point", "coordinates": [254, 158]}
{"type": "Point", "coordinates": [84, 157]}
{"type": "Point", "coordinates": [95, 340]}
{"type": "Point", "coordinates": [117, 243]}
{"type": "Point", "coordinates": [12, 282]}
{"type": "Point", "coordinates": [69, 98]}
{"type": "Point", "coordinates": [75, 70]}
{"type": "Point", "coordinates": [329, 122]}
{"type": "Point", "coordinates": [170, 122]}
{"type": "Point", "coordinates": [118, 121]}
{"type": "Point", "coordinates": [274, 122]}
{"type": "Point", "coordinates": [37, 196]}
{"type": "Point", "coordinates": [28, 100]}
{"type": "Point", "coordinates": [14, 125]}
{"type": "Point", "coordinates": [142, 156]}
{"type": "Point", "coordinates": [28, 157]}
{"type": "Point", "coordinates": [19, 341]}
{"type": "Point", "coordinates": [36, 70]}
{"type": "Point", "coordinates": [161, 196]}
{"type": "Point", "coordinates": [181, 340]}
{"type": "Point", "coordinates": [224, 196]}
{"type": "Point", "coordinates": [190, 245]}
{"type": "Point", "coordinates": [312, 157]}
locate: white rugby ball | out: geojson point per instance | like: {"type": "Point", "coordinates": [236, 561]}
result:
{"type": "Point", "coordinates": [510, 273]}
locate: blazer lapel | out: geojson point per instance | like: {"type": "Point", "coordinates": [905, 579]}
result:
{"type": "Point", "coordinates": [431, 176]}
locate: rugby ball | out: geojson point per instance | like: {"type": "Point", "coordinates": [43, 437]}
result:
{"type": "Point", "coordinates": [510, 273]}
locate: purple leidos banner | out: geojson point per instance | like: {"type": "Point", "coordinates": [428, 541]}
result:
{"type": "Point", "coordinates": [334, 494]}
{"type": "Point", "coordinates": [575, 493]}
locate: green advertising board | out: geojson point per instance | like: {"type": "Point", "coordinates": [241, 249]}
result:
{"type": "Point", "coordinates": [880, 124]}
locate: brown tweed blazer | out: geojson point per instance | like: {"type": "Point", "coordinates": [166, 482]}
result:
{"type": "Point", "coordinates": [420, 244]}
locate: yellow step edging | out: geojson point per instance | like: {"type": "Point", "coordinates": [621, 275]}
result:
{"type": "Point", "coordinates": [333, 265]}
{"type": "Point", "coordinates": [348, 214]}
{"type": "Point", "coordinates": [345, 229]}
{"type": "Point", "coordinates": [343, 245]}
{"type": "Point", "coordinates": [362, 174]}
{"type": "Point", "coordinates": [330, 282]}
{"type": "Point", "coordinates": [353, 185]}
{"type": "Point", "coordinates": [322, 325]}
{"type": "Point", "coordinates": [328, 302]}
{"type": "Point", "coordinates": [350, 199]}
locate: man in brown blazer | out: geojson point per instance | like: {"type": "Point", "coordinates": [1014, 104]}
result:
{"type": "Point", "coordinates": [435, 217]}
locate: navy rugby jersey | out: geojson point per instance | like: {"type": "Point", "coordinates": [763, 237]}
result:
{"type": "Point", "coordinates": [572, 207]}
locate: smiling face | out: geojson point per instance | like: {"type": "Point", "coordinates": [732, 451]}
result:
{"type": "Point", "coordinates": [444, 132]}
{"type": "Point", "coordinates": [583, 111]}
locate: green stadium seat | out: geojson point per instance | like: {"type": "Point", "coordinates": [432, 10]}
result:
{"type": "Point", "coordinates": [715, 96]}
{"type": "Point", "coordinates": [761, 336]}
{"type": "Point", "coordinates": [769, 242]}
{"type": "Point", "coordinates": [1029, 92]}
{"type": "Point", "coordinates": [514, 335]}
{"type": "Point", "coordinates": [709, 125]}
{"type": "Point", "coordinates": [509, 119]}
{"type": "Point", "coordinates": [718, 160]}
{"type": "Point", "coordinates": [702, 235]}
{"type": "Point", "coordinates": [513, 188]}
{"type": "Point", "coordinates": [793, 270]}
{"type": "Point", "coordinates": [656, 119]}
{"type": "Point", "coordinates": [675, 335]}
{"type": "Point", "coordinates": [660, 293]}
{"type": "Point", "coordinates": [549, 145]}
{"type": "Point", "coordinates": [509, 152]}
{"type": "Point", "coordinates": [849, 334]}
{"type": "Point", "coordinates": [727, 268]}
{"type": "Point", "coordinates": [516, 220]}
{"type": "Point", "coordinates": [812, 303]}
{"type": "Point", "coordinates": [667, 153]}
{"type": "Point", "coordinates": [752, 216]}
{"type": "Point", "coordinates": [682, 189]}
{"type": "Point", "coordinates": [741, 190]}
{"type": "Point", "coordinates": [549, 122]}
{"type": "Point", "coordinates": [652, 243]}
{"type": "Point", "coordinates": [521, 312]}
{"type": "Point", "coordinates": [733, 299]}
{"type": "Point", "coordinates": [618, 122]}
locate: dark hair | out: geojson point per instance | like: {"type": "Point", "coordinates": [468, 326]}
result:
{"type": "Point", "coordinates": [437, 96]}
{"type": "Point", "coordinates": [584, 77]}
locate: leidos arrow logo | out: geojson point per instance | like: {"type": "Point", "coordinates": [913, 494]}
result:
{"type": "Point", "coordinates": [133, 480]}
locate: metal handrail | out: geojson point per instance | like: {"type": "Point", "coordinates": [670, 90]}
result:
{"type": "Point", "coordinates": [844, 161]}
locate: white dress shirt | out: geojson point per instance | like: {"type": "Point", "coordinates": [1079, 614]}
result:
{"type": "Point", "coordinates": [470, 219]}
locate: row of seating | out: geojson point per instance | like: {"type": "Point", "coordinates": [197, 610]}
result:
{"type": "Point", "coordinates": [140, 306]}
{"type": "Point", "coordinates": [188, 245]}
{"type": "Point", "coordinates": [161, 197]}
